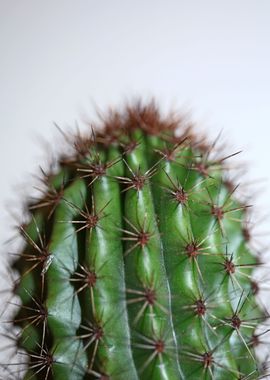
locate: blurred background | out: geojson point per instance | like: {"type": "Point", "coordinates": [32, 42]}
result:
{"type": "Point", "coordinates": [63, 59]}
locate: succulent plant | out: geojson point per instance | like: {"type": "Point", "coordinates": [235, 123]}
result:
{"type": "Point", "coordinates": [136, 262]}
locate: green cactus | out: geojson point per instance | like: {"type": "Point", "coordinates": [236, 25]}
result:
{"type": "Point", "coordinates": [136, 262]}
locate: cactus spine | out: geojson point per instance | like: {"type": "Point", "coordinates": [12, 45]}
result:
{"type": "Point", "coordinates": [136, 263]}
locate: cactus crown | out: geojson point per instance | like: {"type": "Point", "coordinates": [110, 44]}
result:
{"type": "Point", "coordinates": [136, 262]}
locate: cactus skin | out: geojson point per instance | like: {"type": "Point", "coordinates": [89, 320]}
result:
{"type": "Point", "coordinates": [136, 264]}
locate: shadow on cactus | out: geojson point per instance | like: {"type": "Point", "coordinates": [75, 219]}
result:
{"type": "Point", "coordinates": [137, 262]}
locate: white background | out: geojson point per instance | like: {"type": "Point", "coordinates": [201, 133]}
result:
{"type": "Point", "coordinates": [60, 59]}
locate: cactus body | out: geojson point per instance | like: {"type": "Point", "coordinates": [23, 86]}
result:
{"type": "Point", "coordinates": [136, 263]}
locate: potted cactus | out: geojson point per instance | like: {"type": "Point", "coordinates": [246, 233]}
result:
{"type": "Point", "coordinates": [136, 262]}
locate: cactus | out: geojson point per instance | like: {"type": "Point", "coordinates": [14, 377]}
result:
{"type": "Point", "coordinates": [136, 263]}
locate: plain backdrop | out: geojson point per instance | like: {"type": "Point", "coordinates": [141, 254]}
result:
{"type": "Point", "coordinates": [60, 59]}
